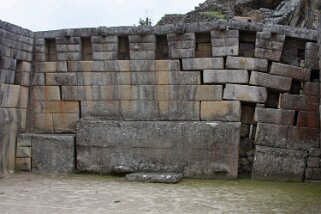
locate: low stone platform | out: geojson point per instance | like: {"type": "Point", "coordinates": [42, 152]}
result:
{"type": "Point", "coordinates": [195, 149]}
{"type": "Point", "coordinates": [168, 178]}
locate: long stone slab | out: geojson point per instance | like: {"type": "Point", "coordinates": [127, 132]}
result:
{"type": "Point", "coordinates": [226, 76]}
{"type": "Point", "coordinates": [142, 110]}
{"type": "Point", "coordinates": [245, 93]}
{"type": "Point", "coordinates": [274, 116]}
{"type": "Point", "coordinates": [279, 83]}
{"type": "Point", "coordinates": [203, 64]}
{"type": "Point", "coordinates": [287, 137]}
{"type": "Point", "coordinates": [195, 149]}
{"type": "Point", "coordinates": [278, 164]}
{"type": "Point", "coordinates": [297, 73]}
{"type": "Point", "coordinates": [247, 63]}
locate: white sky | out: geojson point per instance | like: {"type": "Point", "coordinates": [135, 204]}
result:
{"type": "Point", "coordinates": [40, 15]}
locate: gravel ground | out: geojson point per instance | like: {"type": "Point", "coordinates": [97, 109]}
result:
{"type": "Point", "coordinates": [34, 193]}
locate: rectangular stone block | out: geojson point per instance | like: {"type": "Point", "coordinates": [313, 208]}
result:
{"type": "Point", "coordinates": [181, 53]}
{"type": "Point", "coordinates": [226, 76]}
{"type": "Point", "coordinates": [142, 38]}
{"type": "Point", "coordinates": [38, 79]}
{"type": "Point", "coordinates": [273, 55]}
{"type": "Point", "coordinates": [225, 34]}
{"type": "Point", "coordinates": [104, 39]}
{"type": "Point", "coordinates": [43, 123]}
{"type": "Point", "coordinates": [313, 174]}
{"type": "Point", "coordinates": [50, 67]}
{"type": "Point", "coordinates": [140, 47]}
{"type": "Point", "coordinates": [9, 95]}
{"type": "Point", "coordinates": [7, 76]}
{"type": "Point", "coordinates": [45, 93]}
{"type": "Point", "coordinates": [176, 45]}
{"type": "Point", "coordinates": [278, 164]}
{"type": "Point", "coordinates": [23, 97]}
{"type": "Point", "coordinates": [315, 152]}
{"type": "Point", "coordinates": [245, 93]}
{"type": "Point", "coordinates": [23, 164]}
{"type": "Point", "coordinates": [308, 119]}
{"type": "Point", "coordinates": [23, 152]}
{"type": "Point", "coordinates": [142, 55]}
{"type": "Point", "coordinates": [225, 42]}
{"type": "Point", "coordinates": [65, 122]}
{"type": "Point", "coordinates": [167, 65]}
{"type": "Point", "coordinates": [274, 116]}
{"type": "Point", "coordinates": [143, 92]}
{"type": "Point", "coordinates": [225, 51]}
{"type": "Point", "coordinates": [294, 72]}
{"type": "Point", "coordinates": [247, 63]}
{"type": "Point", "coordinates": [55, 107]}
{"type": "Point", "coordinates": [221, 111]}
{"type": "Point", "coordinates": [299, 102]}
{"type": "Point", "coordinates": [126, 147]}
{"type": "Point", "coordinates": [287, 137]}
{"type": "Point", "coordinates": [104, 55]}
{"type": "Point", "coordinates": [53, 153]}
{"type": "Point", "coordinates": [279, 83]}
{"type": "Point", "coordinates": [141, 110]}
{"type": "Point", "coordinates": [313, 162]}
{"type": "Point", "coordinates": [311, 89]}
{"type": "Point", "coordinates": [117, 65]}
{"type": "Point", "coordinates": [181, 37]}
{"type": "Point", "coordinates": [86, 66]}
{"type": "Point", "coordinates": [203, 64]}
{"type": "Point", "coordinates": [22, 78]}
{"type": "Point", "coordinates": [111, 47]}
{"type": "Point", "coordinates": [54, 79]}
{"type": "Point", "coordinates": [24, 140]}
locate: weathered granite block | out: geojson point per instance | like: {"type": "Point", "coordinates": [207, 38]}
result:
{"type": "Point", "coordinates": [311, 89]}
{"type": "Point", "coordinates": [278, 164]}
{"type": "Point", "coordinates": [308, 119]}
{"type": "Point", "coordinates": [50, 67]}
{"type": "Point", "coordinates": [287, 137]}
{"type": "Point", "coordinates": [53, 153]}
{"type": "Point", "coordinates": [24, 140]}
{"type": "Point", "coordinates": [55, 107]}
{"type": "Point", "coordinates": [195, 149]}
{"type": "Point", "coordinates": [104, 56]}
{"type": "Point", "coordinates": [65, 122]}
{"type": "Point", "coordinates": [203, 64]}
{"type": "Point", "coordinates": [299, 102]}
{"type": "Point", "coordinates": [245, 93]}
{"type": "Point", "coordinates": [23, 152]}
{"type": "Point", "coordinates": [226, 76]}
{"type": "Point", "coordinates": [294, 72]}
{"type": "Point", "coordinates": [142, 110]}
{"type": "Point", "coordinates": [313, 174]}
{"type": "Point", "coordinates": [274, 116]}
{"type": "Point", "coordinates": [45, 93]}
{"type": "Point", "coordinates": [279, 83]}
{"type": "Point", "coordinates": [247, 63]}
{"type": "Point", "coordinates": [23, 164]}
{"type": "Point", "coordinates": [9, 95]}
{"type": "Point", "coordinates": [53, 79]}
{"type": "Point", "coordinates": [167, 178]}
{"type": "Point", "coordinates": [221, 111]}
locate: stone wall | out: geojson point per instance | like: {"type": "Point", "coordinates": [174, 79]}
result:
{"type": "Point", "coordinates": [16, 49]}
{"type": "Point", "coordinates": [202, 99]}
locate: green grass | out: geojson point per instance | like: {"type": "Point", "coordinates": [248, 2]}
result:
{"type": "Point", "coordinates": [217, 14]}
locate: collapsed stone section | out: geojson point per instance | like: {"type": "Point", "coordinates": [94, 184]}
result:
{"type": "Point", "coordinates": [189, 89]}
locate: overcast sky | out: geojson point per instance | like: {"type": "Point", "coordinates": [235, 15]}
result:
{"type": "Point", "coordinates": [40, 15]}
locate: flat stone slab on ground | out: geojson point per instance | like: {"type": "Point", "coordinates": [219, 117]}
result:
{"type": "Point", "coordinates": [172, 178]}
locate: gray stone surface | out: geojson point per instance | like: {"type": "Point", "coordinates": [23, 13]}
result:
{"type": "Point", "coordinates": [297, 73]}
{"type": "Point", "coordinates": [247, 63]}
{"type": "Point", "coordinates": [278, 164]}
{"type": "Point", "coordinates": [274, 116]}
{"type": "Point", "coordinates": [245, 93]}
{"type": "Point", "coordinates": [195, 149]}
{"type": "Point", "coordinates": [226, 76]}
{"type": "Point", "coordinates": [168, 178]}
{"type": "Point", "coordinates": [53, 153]}
{"type": "Point", "coordinates": [274, 82]}
{"type": "Point", "coordinates": [313, 174]}
{"type": "Point", "coordinates": [203, 64]}
{"type": "Point", "coordinates": [287, 137]}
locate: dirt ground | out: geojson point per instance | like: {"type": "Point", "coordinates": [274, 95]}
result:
{"type": "Point", "coordinates": [33, 193]}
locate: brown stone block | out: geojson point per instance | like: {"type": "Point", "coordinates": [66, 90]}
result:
{"type": "Point", "coordinates": [23, 164]}
{"type": "Point", "coordinates": [274, 116]}
{"type": "Point", "coordinates": [55, 107]}
{"type": "Point", "coordinates": [221, 111]}
{"type": "Point", "coordinates": [279, 83]}
{"type": "Point", "coordinates": [299, 102]}
{"type": "Point", "coordinates": [311, 89]}
{"type": "Point", "coordinates": [45, 93]}
{"type": "Point", "coordinates": [65, 122]}
{"type": "Point", "coordinates": [43, 122]}
{"type": "Point", "coordinates": [309, 119]}
{"type": "Point", "coordinates": [245, 93]}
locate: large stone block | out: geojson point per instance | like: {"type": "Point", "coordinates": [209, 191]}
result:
{"type": "Point", "coordinates": [308, 119]}
{"type": "Point", "coordinates": [141, 110]}
{"type": "Point", "coordinates": [23, 164]}
{"type": "Point", "coordinates": [9, 95]}
{"type": "Point", "coordinates": [274, 116]}
{"type": "Point", "coordinates": [203, 64]}
{"type": "Point", "coordinates": [221, 111]}
{"type": "Point", "coordinates": [247, 63]}
{"type": "Point", "coordinates": [65, 122]}
{"type": "Point", "coordinates": [143, 92]}
{"type": "Point", "coordinates": [61, 79]}
{"type": "Point", "coordinates": [55, 107]}
{"type": "Point", "coordinates": [116, 65]}
{"type": "Point", "coordinates": [278, 164]}
{"type": "Point", "coordinates": [86, 66]}
{"type": "Point", "coordinates": [43, 123]}
{"type": "Point", "coordinates": [294, 72]}
{"type": "Point", "coordinates": [51, 67]}
{"type": "Point", "coordinates": [195, 149]}
{"type": "Point", "coordinates": [279, 83]}
{"type": "Point", "coordinates": [226, 76]}
{"type": "Point", "coordinates": [53, 153]}
{"type": "Point", "coordinates": [245, 93]}
{"type": "Point", "coordinates": [287, 137]}
{"type": "Point", "coordinates": [299, 102]}
{"type": "Point", "coordinates": [311, 89]}
{"type": "Point", "coordinates": [45, 93]}
{"type": "Point", "coordinates": [313, 174]}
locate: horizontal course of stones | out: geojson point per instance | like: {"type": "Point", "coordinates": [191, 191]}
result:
{"type": "Point", "coordinates": [214, 71]}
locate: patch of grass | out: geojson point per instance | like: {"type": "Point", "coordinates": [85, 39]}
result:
{"type": "Point", "coordinates": [217, 14]}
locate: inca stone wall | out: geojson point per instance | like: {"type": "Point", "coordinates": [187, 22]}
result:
{"type": "Point", "coordinates": [206, 100]}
